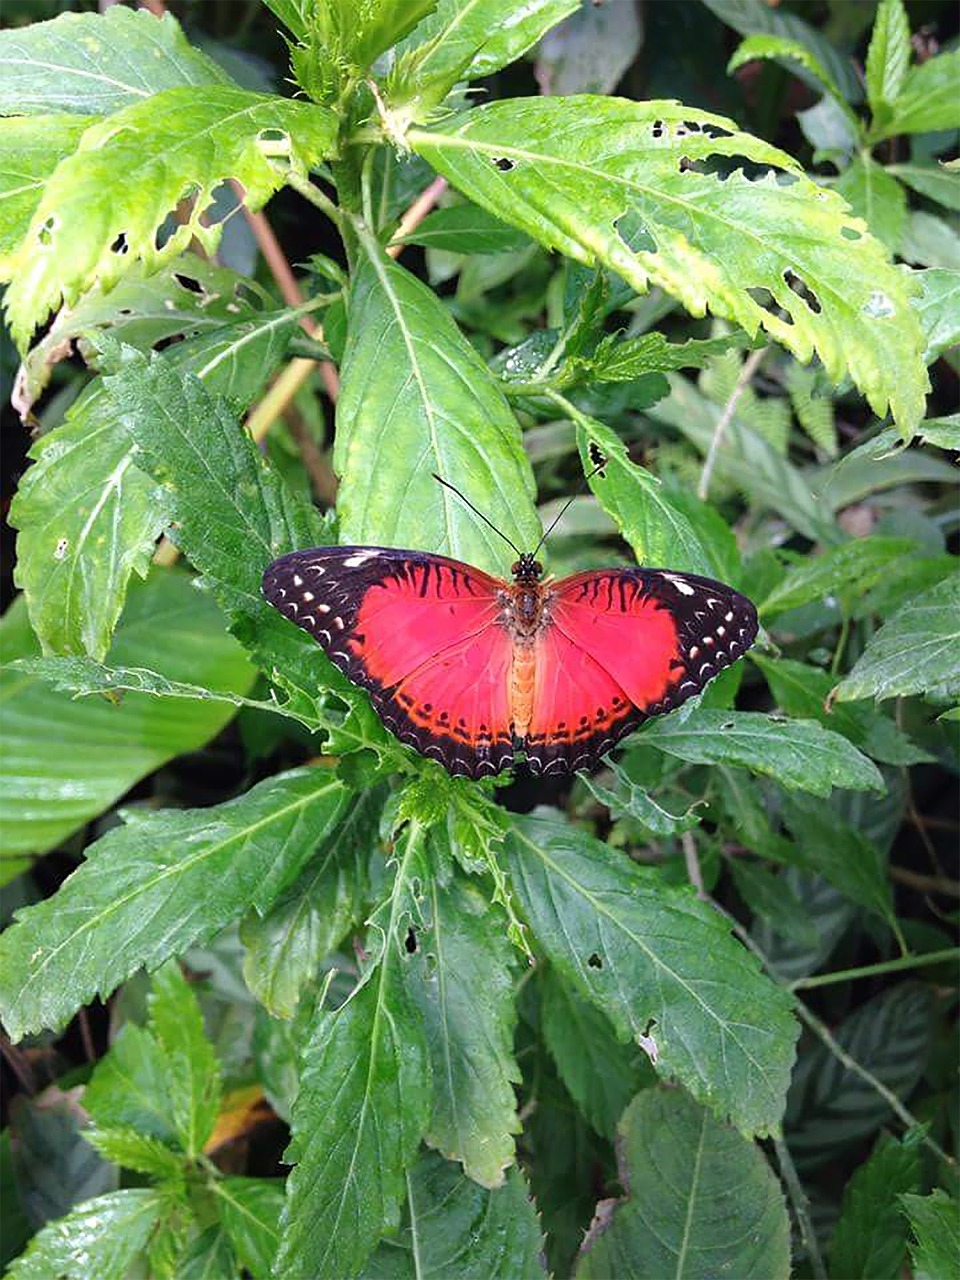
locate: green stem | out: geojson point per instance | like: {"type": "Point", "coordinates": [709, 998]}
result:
{"type": "Point", "coordinates": [801, 1208]}
{"type": "Point", "coordinates": [841, 646]}
{"type": "Point", "coordinates": [312, 193]}
{"type": "Point", "coordinates": [868, 970]}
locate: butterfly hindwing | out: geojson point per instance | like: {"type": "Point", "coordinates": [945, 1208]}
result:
{"type": "Point", "coordinates": [420, 633]}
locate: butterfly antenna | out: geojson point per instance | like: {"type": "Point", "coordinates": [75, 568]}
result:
{"type": "Point", "coordinates": [453, 488]}
{"type": "Point", "coordinates": [563, 510]}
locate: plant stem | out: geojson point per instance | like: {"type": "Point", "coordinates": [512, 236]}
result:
{"type": "Point", "coordinates": [869, 970]}
{"type": "Point", "coordinates": [750, 366]}
{"type": "Point", "coordinates": [801, 1207]}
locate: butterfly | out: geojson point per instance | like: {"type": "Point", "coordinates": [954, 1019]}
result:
{"type": "Point", "coordinates": [468, 668]}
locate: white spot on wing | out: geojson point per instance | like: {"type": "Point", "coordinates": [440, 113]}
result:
{"type": "Point", "coordinates": [354, 562]}
{"type": "Point", "coordinates": [682, 586]}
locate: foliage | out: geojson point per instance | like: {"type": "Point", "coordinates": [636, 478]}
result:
{"type": "Point", "coordinates": [502, 1039]}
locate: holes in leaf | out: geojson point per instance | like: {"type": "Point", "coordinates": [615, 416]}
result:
{"type": "Point", "coordinates": [715, 131]}
{"type": "Point", "coordinates": [767, 302]}
{"type": "Point", "coordinates": [503, 163]}
{"type": "Point", "coordinates": [597, 456]}
{"type": "Point", "coordinates": [878, 306]}
{"type": "Point", "coordinates": [851, 233]}
{"type": "Point", "coordinates": [595, 961]}
{"type": "Point", "coordinates": [120, 245]}
{"type": "Point", "coordinates": [727, 726]}
{"type": "Point", "coordinates": [632, 230]}
{"type": "Point", "coordinates": [188, 282]}
{"type": "Point", "coordinates": [63, 545]}
{"type": "Point", "coordinates": [411, 945]}
{"type": "Point", "coordinates": [802, 290]}
{"type": "Point", "coordinates": [659, 129]}
{"type": "Point", "coordinates": [45, 234]}
{"type": "Point", "coordinates": [272, 135]}
{"type": "Point", "coordinates": [686, 165]}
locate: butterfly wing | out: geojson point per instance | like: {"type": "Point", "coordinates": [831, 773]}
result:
{"type": "Point", "coordinates": [421, 633]}
{"type": "Point", "coordinates": [623, 645]}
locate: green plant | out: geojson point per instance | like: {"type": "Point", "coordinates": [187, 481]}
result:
{"type": "Point", "coordinates": [575, 955]}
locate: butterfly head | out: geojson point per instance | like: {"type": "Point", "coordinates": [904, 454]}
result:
{"type": "Point", "coordinates": [527, 568]}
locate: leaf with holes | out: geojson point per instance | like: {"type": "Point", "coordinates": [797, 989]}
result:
{"type": "Point", "coordinates": [701, 1200]}
{"type": "Point", "coordinates": [662, 966]}
{"type": "Point", "coordinates": [104, 206]}
{"type": "Point", "coordinates": [775, 252]}
{"type": "Point", "coordinates": [30, 150]}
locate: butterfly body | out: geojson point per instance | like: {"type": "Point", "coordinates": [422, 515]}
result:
{"type": "Point", "coordinates": [468, 668]}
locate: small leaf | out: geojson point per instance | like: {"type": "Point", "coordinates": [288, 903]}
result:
{"type": "Point", "coordinates": [927, 100]}
{"type": "Point", "coordinates": [633, 801]}
{"type": "Point", "coordinates": [933, 181]}
{"type": "Point", "coordinates": [451, 1226]}
{"type": "Point", "coordinates": [791, 54]}
{"type": "Point", "coordinates": [870, 1238]}
{"type": "Point", "coordinates": [703, 238]}
{"type": "Point", "coordinates": [411, 383]}
{"type": "Point", "coordinates": [915, 651]}
{"type": "Point", "coordinates": [152, 887]}
{"type": "Point", "coordinates": [94, 64]}
{"type": "Point", "coordinates": [661, 965]}
{"type": "Point", "coordinates": [129, 1089]}
{"type": "Point", "coordinates": [942, 432]}
{"type": "Point", "coordinates": [701, 1201]}
{"type": "Point", "coordinates": [799, 754]}
{"type": "Point", "coordinates": [249, 1209]}
{"type": "Point", "coordinates": [138, 1151]}
{"type": "Point", "coordinates": [193, 1072]}
{"type": "Point", "coordinates": [935, 1249]}
{"type": "Point", "coordinates": [464, 228]}
{"type": "Point", "coordinates": [30, 150]}
{"type": "Point", "coordinates": [888, 56]}
{"type": "Point", "coordinates": [850, 569]}
{"type": "Point", "coordinates": [102, 208]}
{"type": "Point", "coordinates": [103, 1238]}
{"type": "Point", "coordinates": [459, 977]}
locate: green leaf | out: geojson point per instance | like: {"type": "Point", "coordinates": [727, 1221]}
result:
{"type": "Point", "coordinates": [804, 691]}
{"type": "Point", "coordinates": [942, 432]}
{"type": "Point", "coordinates": [601, 1074]}
{"type": "Point", "coordinates": [915, 651]}
{"type": "Point", "coordinates": [876, 197]}
{"type": "Point", "coordinates": [771, 900]}
{"type": "Point", "coordinates": [880, 463]}
{"type": "Point", "coordinates": [55, 1167]}
{"type": "Point", "coordinates": [151, 888]}
{"type": "Point", "coordinates": [102, 1237]}
{"type": "Point", "coordinates": [133, 168]}
{"type": "Point", "coordinates": [790, 54]}
{"type": "Point", "coordinates": [933, 181]}
{"type": "Point", "coordinates": [460, 980]}
{"type": "Point", "coordinates": [799, 754]}
{"type": "Point", "coordinates": [138, 1151]}
{"type": "Point", "coordinates": [847, 570]}
{"type": "Point", "coordinates": [927, 100]}
{"type": "Point", "coordinates": [30, 150]}
{"type": "Point", "coordinates": [285, 946]}
{"type": "Point", "coordinates": [249, 1209]}
{"type": "Point", "coordinates": [412, 385]}
{"type": "Point", "coordinates": [591, 51]}
{"type": "Point", "coordinates": [704, 239]}
{"type": "Point", "coordinates": [63, 763]}
{"type": "Point", "coordinates": [193, 1072]}
{"type": "Point", "coordinates": [870, 1239]}
{"type": "Point", "coordinates": [464, 228]}
{"type": "Point", "coordinates": [95, 64]}
{"type": "Point", "coordinates": [930, 241]}
{"type": "Point", "coordinates": [663, 968]}
{"type": "Point", "coordinates": [633, 801]}
{"type": "Point", "coordinates": [130, 1090]}
{"type": "Point", "coordinates": [935, 1249]}
{"type": "Point", "coordinates": [451, 1227]}
{"type": "Point", "coordinates": [830, 913]}
{"type": "Point", "coordinates": [888, 56]}
{"type": "Point", "coordinates": [362, 1107]}
{"type": "Point", "coordinates": [622, 360]}
{"type": "Point", "coordinates": [702, 1200]}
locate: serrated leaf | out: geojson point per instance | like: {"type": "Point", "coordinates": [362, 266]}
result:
{"type": "Point", "coordinates": [633, 801]}
{"type": "Point", "coordinates": [285, 946]}
{"type": "Point", "coordinates": [876, 197]}
{"type": "Point", "coordinates": [362, 1107]}
{"type": "Point", "coordinates": [701, 1200]}
{"type": "Point", "coordinates": [935, 1249]}
{"type": "Point", "coordinates": [151, 888]}
{"type": "Point", "coordinates": [463, 228]}
{"type": "Point", "coordinates": [139, 1151]}
{"type": "Point", "coordinates": [413, 385]}
{"type": "Point", "coordinates": [927, 100]}
{"type": "Point", "coordinates": [799, 754]}
{"type": "Point", "coordinates": [451, 1226]}
{"type": "Point", "coordinates": [55, 1166]}
{"type": "Point", "coordinates": [249, 1209]}
{"type": "Point", "coordinates": [703, 238]}
{"type": "Point", "coordinates": [102, 1237]}
{"type": "Point", "coordinates": [129, 1088]}
{"type": "Point", "coordinates": [829, 1105]}
{"type": "Point", "coordinates": [870, 1238]}
{"type": "Point", "coordinates": [64, 762]}
{"type": "Point", "coordinates": [622, 360]}
{"type": "Point", "coordinates": [661, 965]}
{"type": "Point", "coordinates": [914, 651]}
{"type": "Point", "coordinates": [193, 1072]}
{"type": "Point", "coordinates": [95, 64]}
{"type": "Point", "coordinates": [888, 56]}
{"type": "Point", "coordinates": [208, 1257]}
{"type": "Point", "coordinates": [848, 570]}
{"type": "Point", "coordinates": [791, 54]}
{"type": "Point", "coordinates": [933, 181]}
{"type": "Point", "coordinates": [30, 150]}
{"type": "Point", "coordinates": [460, 980]}
{"type": "Point", "coordinates": [102, 208]}
{"type": "Point", "coordinates": [600, 1073]}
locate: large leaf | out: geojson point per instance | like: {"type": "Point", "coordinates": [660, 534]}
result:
{"type": "Point", "coordinates": [915, 651]}
{"type": "Point", "coordinates": [713, 241]}
{"type": "Point", "coordinates": [414, 390]}
{"type": "Point", "coordinates": [799, 754]}
{"type": "Point", "coordinates": [662, 966]}
{"type": "Point", "coordinates": [104, 205]}
{"type": "Point", "coordinates": [362, 1107]}
{"type": "Point", "coordinates": [63, 762]}
{"type": "Point", "coordinates": [30, 150]}
{"type": "Point", "coordinates": [460, 979]}
{"type": "Point", "coordinates": [250, 1212]}
{"type": "Point", "coordinates": [850, 569]}
{"type": "Point", "coordinates": [102, 1237]}
{"type": "Point", "coordinates": [870, 1238]}
{"type": "Point", "coordinates": [702, 1201]}
{"type": "Point", "coordinates": [452, 1227]}
{"type": "Point", "coordinates": [94, 64]}
{"type": "Point", "coordinates": [152, 887]}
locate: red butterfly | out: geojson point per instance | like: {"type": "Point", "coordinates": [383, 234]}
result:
{"type": "Point", "coordinates": [468, 668]}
